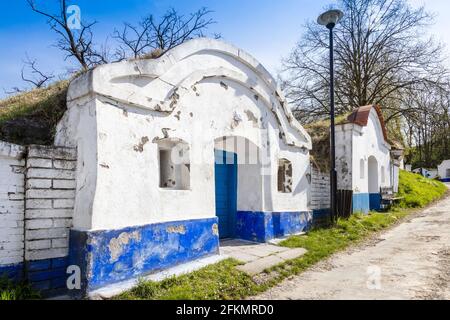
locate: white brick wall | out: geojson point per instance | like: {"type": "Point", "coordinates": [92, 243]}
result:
{"type": "Point", "coordinates": [320, 189]}
{"type": "Point", "coordinates": [50, 194]}
{"type": "Point", "coordinates": [11, 203]}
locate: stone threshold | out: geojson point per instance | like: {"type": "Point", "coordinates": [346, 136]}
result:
{"type": "Point", "coordinates": [258, 257]}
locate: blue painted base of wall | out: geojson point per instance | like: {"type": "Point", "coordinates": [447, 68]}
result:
{"type": "Point", "coordinates": [107, 257]}
{"type": "Point", "coordinates": [445, 180]}
{"type": "Point", "coordinates": [375, 201]}
{"type": "Point", "coordinates": [46, 276]}
{"type": "Point", "coordinates": [321, 217]}
{"type": "Point", "coordinates": [365, 202]}
{"type": "Point", "coordinates": [13, 272]}
{"type": "Point", "coordinates": [265, 226]}
{"type": "Point", "coordinates": [361, 203]}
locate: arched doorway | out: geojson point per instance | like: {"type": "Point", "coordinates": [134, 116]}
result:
{"type": "Point", "coordinates": [373, 175]}
{"type": "Point", "coordinates": [373, 184]}
{"type": "Point", "coordinates": [238, 181]}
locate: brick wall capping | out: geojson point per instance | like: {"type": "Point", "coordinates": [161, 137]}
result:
{"type": "Point", "coordinates": [50, 152]}
{"type": "Point", "coordinates": [10, 150]}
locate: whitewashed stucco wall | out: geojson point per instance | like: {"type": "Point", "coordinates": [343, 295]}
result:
{"type": "Point", "coordinates": [344, 156]}
{"type": "Point", "coordinates": [355, 143]}
{"type": "Point", "coordinates": [369, 141]}
{"type": "Point", "coordinates": [199, 92]}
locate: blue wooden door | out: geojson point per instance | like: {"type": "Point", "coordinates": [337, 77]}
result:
{"type": "Point", "coordinates": [226, 192]}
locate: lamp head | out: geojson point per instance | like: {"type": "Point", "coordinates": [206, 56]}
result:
{"type": "Point", "coordinates": [330, 18]}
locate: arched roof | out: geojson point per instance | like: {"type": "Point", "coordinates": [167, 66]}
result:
{"type": "Point", "coordinates": [113, 81]}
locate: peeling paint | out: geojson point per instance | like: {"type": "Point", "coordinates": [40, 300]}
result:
{"type": "Point", "coordinates": [177, 229]}
{"type": "Point", "coordinates": [215, 229]}
{"type": "Point", "coordinates": [116, 255]}
{"type": "Point", "coordinates": [116, 245]}
{"type": "Point", "coordinates": [140, 147]}
{"type": "Point", "coordinates": [237, 119]}
{"type": "Point", "coordinates": [251, 117]}
{"type": "Point", "coordinates": [174, 98]}
{"type": "Point", "coordinates": [165, 132]}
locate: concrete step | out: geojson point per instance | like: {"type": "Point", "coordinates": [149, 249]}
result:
{"type": "Point", "coordinates": [257, 266]}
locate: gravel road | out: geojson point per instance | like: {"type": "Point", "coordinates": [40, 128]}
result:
{"type": "Point", "coordinates": [408, 261]}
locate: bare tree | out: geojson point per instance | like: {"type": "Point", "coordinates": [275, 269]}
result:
{"type": "Point", "coordinates": [31, 75]}
{"type": "Point", "coordinates": [380, 52]}
{"type": "Point", "coordinates": [77, 44]}
{"type": "Point", "coordinates": [133, 40]}
{"type": "Point", "coordinates": [428, 127]}
{"type": "Point", "coordinates": [153, 34]}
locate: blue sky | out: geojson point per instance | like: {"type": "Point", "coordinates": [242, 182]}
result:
{"type": "Point", "coordinates": [267, 29]}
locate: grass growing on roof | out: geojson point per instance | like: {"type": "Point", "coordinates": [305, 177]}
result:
{"type": "Point", "coordinates": [320, 136]}
{"type": "Point", "coordinates": [42, 108]}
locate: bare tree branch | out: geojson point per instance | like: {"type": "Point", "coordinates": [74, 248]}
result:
{"type": "Point", "coordinates": [77, 44]}
{"type": "Point", "coordinates": [153, 34]}
{"type": "Point", "coordinates": [39, 79]}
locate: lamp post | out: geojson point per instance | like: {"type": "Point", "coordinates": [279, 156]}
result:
{"type": "Point", "coordinates": [329, 19]}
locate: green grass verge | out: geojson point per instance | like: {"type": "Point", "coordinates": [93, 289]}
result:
{"type": "Point", "coordinates": [220, 281]}
{"type": "Point", "coordinates": [224, 281]}
{"type": "Point", "coordinates": [16, 291]}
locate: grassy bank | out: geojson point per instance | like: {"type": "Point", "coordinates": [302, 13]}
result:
{"type": "Point", "coordinates": [31, 117]}
{"type": "Point", "coordinates": [224, 281]}
{"type": "Point", "coordinates": [418, 191]}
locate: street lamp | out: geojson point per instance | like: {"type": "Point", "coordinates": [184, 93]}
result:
{"type": "Point", "coordinates": [329, 19]}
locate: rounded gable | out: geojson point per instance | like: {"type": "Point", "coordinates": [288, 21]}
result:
{"type": "Point", "coordinates": [159, 84]}
{"type": "Point", "coordinates": [360, 116]}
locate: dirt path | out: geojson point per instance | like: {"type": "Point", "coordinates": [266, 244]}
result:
{"type": "Point", "coordinates": [409, 261]}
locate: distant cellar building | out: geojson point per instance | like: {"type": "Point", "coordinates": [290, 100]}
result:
{"type": "Point", "coordinates": [366, 160]}
{"type": "Point", "coordinates": [444, 171]}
